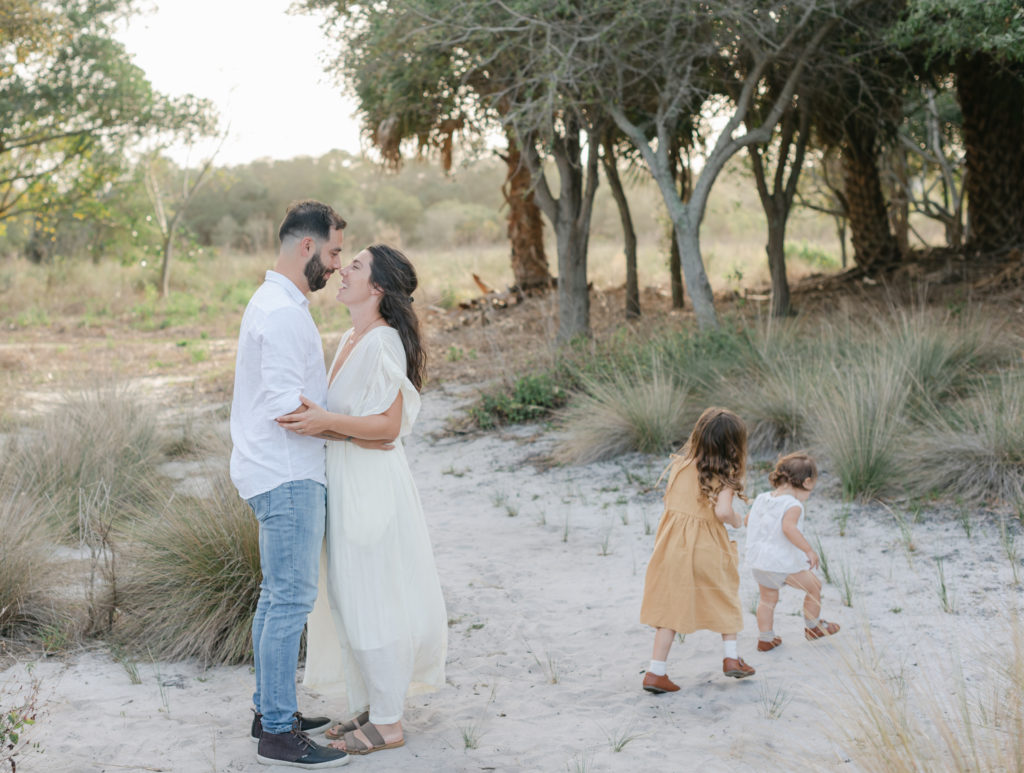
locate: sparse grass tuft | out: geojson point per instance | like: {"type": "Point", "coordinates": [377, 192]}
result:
{"type": "Point", "coordinates": [193, 581]}
{"type": "Point", "coordinates": [104, 436]}
{"type": "Point", "coordinates": [774, 700]}
{"type": "Point", "coordinates": [946, 599]}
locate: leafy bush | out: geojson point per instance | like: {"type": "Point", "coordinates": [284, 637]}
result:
{"type": "Point", "coordinates": [532, 397]}
{"type": "Point", "coordinates": [193, 576]}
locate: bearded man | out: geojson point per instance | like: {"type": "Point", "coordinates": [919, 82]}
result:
{"type": "Point", "coordinates": [281, 474]}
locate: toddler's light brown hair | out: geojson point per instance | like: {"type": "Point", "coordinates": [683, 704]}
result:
{"type": "Point", "coordinates": [795, 469]}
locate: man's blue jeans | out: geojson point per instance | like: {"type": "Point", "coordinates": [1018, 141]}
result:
{"type": "Point", "coordinates": [292, 518]}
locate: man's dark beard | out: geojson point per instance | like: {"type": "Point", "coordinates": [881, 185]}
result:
{"type": "Point", "coordinates": [316, 272]}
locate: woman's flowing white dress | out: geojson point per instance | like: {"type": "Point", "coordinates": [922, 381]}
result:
{"type": "Point", "coordinates": [379, 629]}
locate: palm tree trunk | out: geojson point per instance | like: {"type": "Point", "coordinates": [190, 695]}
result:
{"type": "Point", "coordinates": [874, 246]}
{"type": "Point", "coordinates": [525, 226]}
{"type": "Point", "coordinates": [992, 102]}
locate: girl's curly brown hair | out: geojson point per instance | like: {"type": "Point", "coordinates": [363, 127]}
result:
{"type": "Point", "coordinates": [718, 446]}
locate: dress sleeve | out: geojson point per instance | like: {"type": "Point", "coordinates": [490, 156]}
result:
{"type": "Point", "coordinates": [386, 378]}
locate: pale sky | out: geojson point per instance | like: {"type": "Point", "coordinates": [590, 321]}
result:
{"type": "Point", "coordinates": [260, 66]}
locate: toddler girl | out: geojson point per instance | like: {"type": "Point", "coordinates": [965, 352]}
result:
{"type": "Point", "coordinates": [779, 554]}
{"type": "Point", "coordinates": [692, 581]}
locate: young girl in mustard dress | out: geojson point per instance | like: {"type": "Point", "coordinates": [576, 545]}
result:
{"type": "Point", "coordinates": [692, 579]}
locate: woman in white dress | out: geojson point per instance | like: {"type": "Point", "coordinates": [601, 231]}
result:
{"type": "Point", "coordinates": [388, 638]}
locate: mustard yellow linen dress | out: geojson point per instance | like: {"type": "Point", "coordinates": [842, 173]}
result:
{"type": "Point", "coordinates": [693, 579]}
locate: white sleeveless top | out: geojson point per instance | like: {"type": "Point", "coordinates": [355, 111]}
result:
{"type": "Point", "coordinates": [768, 549]}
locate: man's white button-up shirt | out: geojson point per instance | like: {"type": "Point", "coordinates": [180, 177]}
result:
{"type": "Point", "coordinates": [280, 357]}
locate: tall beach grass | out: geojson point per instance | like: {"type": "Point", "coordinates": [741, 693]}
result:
{"type": "Point", "coordinates": [640, 409]}
{"type": "Point", "coordinates": [103, 436]}
{"type": "Point", "coordinates": [29, 573]}
{"type": "Point", "coordinates": [940, 719]}
{"type": "Point", "coordinates": [192, 578]}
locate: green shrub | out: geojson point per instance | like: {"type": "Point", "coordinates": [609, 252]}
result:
{"type": "Point", "coordinates": [193, 576]}
{"type": "Point", "coordinates": [531, 398]}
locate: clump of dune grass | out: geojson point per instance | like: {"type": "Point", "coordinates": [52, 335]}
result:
{"type": "Point", "coordinates": [635, 410]}
{"type": "Point", "coordinates": [100, 436]}
{"type": "Point", "coordinates": [942, 354]}
{"type": "Point", "coordinates": [860, 421]}
{"type": "Point", "coordinates": [28, 571]}
{"type": "Point", "coordinates": [975, 448]}
{"type": "Point", "coordinates": [940, 721]}
{"type": "Point", "coordinates": [772, 392]}
{"type": "Point", "coordinates": [193, 575]}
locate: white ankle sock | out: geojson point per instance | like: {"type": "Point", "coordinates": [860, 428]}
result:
{"type": "Point", "coordinates": [766, 636]}
{"type": "Point", "coordinates": [730, 648]}
{"type": "Point", "coordinates": [657, 668]}
{"type": "Point", "coordinates": [812, 623]}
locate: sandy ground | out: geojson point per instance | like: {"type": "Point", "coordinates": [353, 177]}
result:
{"type": "Point", "coordinates": [543, 572]}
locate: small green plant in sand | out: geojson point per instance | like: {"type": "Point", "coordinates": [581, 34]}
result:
{"type": "Point", "coordinates": [549, 666]}
{"type": "Point", "coordinates": [773, 700]}
{"type": "Point", "coordinates": [843, 518]}
{"type": "Point", "coordinates": [618, 739]}
{"type": "Point", "coordinates": [1009, 542]}
{"type": "Point", "coordinates": [847, 581]}
{"type": "Point", "coordinates": [470, 735]}
{"type": "Point", "coordinates": [822, 559]}
{"type": "Point", "coordinates": [130, 666]}
{"type": "Point", "coordinates": [963, 515]}
{"type": "Point", "coordinates": [945, 593]}
{"type": "Point", "coordinates": [906, 533]}
{"type": "Point", "coordinates": [19, 709]}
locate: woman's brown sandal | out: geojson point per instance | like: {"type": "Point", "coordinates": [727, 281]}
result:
{"type": "Point", "coordinates": [337, 732]}
{"type": "Point", "coordinates": [354, 746]}
{"type": "Point", "coordinates": [766, 646]}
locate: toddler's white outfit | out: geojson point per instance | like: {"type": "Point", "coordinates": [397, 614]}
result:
{"type": "Point", "coordinates": [770, 554]}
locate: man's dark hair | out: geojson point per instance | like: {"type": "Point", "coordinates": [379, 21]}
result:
{"type": "Point", "coordinates": [310, 218]}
